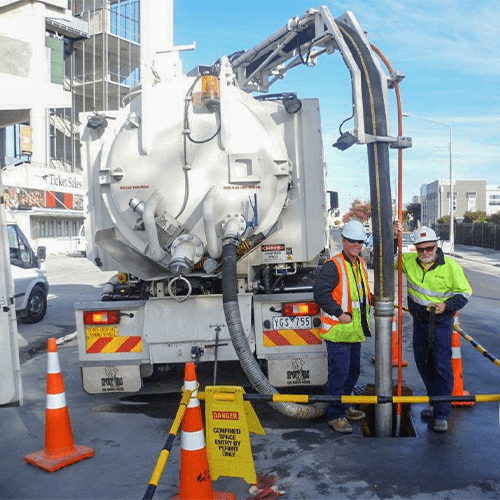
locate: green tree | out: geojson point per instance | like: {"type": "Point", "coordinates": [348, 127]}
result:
{"type": "Point", "coordinates": [359, 210]}
{"type": "Point", "coordinates": [413, 210]}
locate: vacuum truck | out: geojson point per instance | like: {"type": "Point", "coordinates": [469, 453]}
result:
{"type": "Point", "coordinates": [207, 194]}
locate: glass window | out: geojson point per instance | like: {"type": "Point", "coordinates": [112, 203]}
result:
{"type": "Point", "coordinates": [20, 252]}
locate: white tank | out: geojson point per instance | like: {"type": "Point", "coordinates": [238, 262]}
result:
{"type": "Point", "coordinates": [201, 165]}
{"type": "Point", "coordinates": [210, 163]}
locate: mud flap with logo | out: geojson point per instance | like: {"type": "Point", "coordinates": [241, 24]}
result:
{"type": "Point", "coordinates": [299, 369]}
{"type": "Point", "coordinates": [111, 378]}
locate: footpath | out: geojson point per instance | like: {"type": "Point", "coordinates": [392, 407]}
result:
{"type": "Point", "coordinates": [477, 254]}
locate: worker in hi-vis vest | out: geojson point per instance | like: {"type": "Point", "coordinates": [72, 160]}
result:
{"type": "Point", "coordinates": [342, 291]}
{"type": "Point", "coordinates": [437, 288]}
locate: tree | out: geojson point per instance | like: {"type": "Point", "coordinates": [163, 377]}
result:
{"type": "Point", "coordinates": [413, 210]}
{"type": "Point", "coordinates": [477, 216]}
{"type": "Point", "coordinates": [359, 210]}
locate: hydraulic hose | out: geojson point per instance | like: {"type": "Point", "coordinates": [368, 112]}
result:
{"type": "Point", "coordinates": [375, 122]}
{"type": "Point", "coordinates": [240, 342]}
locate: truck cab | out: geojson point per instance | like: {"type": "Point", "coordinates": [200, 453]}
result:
{"type": "Point", "coordinates": [31, 286]}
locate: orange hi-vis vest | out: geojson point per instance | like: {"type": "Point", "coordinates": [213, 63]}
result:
{"type": "Point", "coordinates": [347, 294]}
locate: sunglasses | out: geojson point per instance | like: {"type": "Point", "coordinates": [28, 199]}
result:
{"type": "Point", "coordinates": [430, 248]}
{"type": "Point", "coordinates": [355, 241]}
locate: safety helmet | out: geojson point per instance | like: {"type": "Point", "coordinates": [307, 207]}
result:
{"type": "Point", "coordinates": [424, 234]}
{"type": "Point", "coordinates": [354, 230]}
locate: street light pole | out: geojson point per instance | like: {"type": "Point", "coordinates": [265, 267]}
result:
{"type": "Point", "coordinates": [452, 229]}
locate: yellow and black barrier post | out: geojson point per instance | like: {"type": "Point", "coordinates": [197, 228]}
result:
{"type": "Point", "coordinates": [308, 399]}
{"type": "Point", "coordinates": [478, 347]}
{"type": "Point", "coordinates": [165, 452]}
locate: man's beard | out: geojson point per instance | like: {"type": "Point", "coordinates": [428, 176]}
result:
{"type": "Point", "coordinates": [427, 259]}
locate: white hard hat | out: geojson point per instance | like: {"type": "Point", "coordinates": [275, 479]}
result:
{"type": "Point", "coordinates": [423, 234]}
{"type": "Point", "coordinates": [354, 230]}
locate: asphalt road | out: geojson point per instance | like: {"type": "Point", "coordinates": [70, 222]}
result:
{"type": "Point", "coordinates": [72, 278]}
{"type": "Point", "coordinates": [310, 461]}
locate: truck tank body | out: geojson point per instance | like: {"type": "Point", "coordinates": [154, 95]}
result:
{"type": "Point", "coordinates": [159, 218]}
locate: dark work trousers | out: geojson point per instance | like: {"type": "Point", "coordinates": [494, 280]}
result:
{"type": "Point", "coordinates": [435, 370]}
{"type": "Point", "coordinates": [343, 372]}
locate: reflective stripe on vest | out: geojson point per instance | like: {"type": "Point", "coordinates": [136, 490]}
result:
{"type": "Point", "coordinates": [331, 328]}
{"type": "Point", "coordinates": [447, 275]}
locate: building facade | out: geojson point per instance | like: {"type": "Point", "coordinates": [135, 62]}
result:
{"type": "Point", "coordinates": [468, 196]}
{"type": "Point", "coordinates": [59, 59]}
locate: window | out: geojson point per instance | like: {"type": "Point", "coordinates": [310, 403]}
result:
{"type": "Point", "coordinates": [20, 252]}
{"type": "Point", "coordinates": [471, 201]}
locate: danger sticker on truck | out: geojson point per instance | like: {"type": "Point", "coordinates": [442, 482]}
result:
{"type": "Point", "coordinates": [276, 253]}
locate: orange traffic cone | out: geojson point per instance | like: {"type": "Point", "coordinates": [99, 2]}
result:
{"type": "Point", "coordinates": [60, 449]}
{"type": "Point", "coordinates": [456, 364]}
{"type": "Point", "coordinates": [395, 344]}
{"type": "Point", "coordinates": [195, 481]}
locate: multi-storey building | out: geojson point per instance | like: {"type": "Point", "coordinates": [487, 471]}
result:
{"type": "Point", "coordinates": [468, 196]}
{"type": "Point", "coordinates": [59, 59]}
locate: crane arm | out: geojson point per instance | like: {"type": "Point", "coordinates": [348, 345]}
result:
{"type": "Point", "coordinates": [300, 42]}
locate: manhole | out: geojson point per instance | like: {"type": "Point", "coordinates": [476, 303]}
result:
{"type": "Point", "coordinates": [406, 428]}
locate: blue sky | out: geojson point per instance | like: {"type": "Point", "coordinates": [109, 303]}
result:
{"type": "Point", "coordinates": [449, 51]}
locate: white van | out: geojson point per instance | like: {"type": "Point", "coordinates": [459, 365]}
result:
{"type": "Point", "coordinates": [81, 241]}
{"type": "Point", "coordinates": [31, 286]}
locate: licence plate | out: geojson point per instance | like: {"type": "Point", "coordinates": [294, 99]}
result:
{"type": "Point", "coordinates": [291, 322]}
{"type": "Point", "coordinates": [94, 332]}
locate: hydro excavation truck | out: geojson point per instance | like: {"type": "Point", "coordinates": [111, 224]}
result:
{"type": "Point", "coordinates": [207, 195]}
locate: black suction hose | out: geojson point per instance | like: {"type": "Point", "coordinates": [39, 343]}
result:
{"type": "Point", "coordinates": [375, 121]}
{"type": "Point", "coordinates": [240, 342]}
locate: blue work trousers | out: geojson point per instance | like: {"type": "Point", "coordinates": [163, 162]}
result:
{"type": "Point", "coordinates": [435, 369]}
{"type": "Point", "coordinates": [344, 360]}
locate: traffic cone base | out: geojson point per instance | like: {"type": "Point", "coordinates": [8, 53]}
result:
{"type": "Point", "coordinates": [42, 460]}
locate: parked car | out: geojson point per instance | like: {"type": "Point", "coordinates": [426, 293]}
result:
{"type": "Point", "coordinates": [367, 250]}
{"type": "Point", "coordinates": [408, 245]}
{"type": "Point", "coordinates": [31, 286]}
{"type": "Point", "coordinates": [81, 241]}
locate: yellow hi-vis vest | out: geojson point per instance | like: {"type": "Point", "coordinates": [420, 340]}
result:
{"type": "Point", "coordinates": [434, 285]}
{"type": "Point", "coordinates": [347, 295]}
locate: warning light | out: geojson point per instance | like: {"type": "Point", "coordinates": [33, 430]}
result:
{"type": "Point", "coordinates": [122, 277]}
{"type": "Point", "coordinates": [300, 309]}
{"type": "Point", "coordinates": [210, 87]}
{"type": "Point", "coordinates": [101, 317]}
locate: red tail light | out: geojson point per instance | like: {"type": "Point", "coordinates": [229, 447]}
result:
{"type": "Point", "coordinates": [101, 317]}
{"type": "Point", "coordinates": [300, 309]}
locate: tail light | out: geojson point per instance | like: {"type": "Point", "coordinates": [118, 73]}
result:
{"type": "Point", "coordinates": [300, 309]}
{"type": "Point", "coordinates": [101, 317]}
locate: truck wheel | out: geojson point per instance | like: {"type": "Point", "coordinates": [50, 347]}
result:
{"type": "Point", "coordinates": [37, 306]}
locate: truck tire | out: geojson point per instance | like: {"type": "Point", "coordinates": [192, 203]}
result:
{"type": "Point", "coordinates": [37, 306]}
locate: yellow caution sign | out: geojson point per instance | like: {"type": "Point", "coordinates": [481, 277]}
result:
{"type": "Point", "coordinates": [228, 424]}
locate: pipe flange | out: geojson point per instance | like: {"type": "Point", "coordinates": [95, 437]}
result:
{"type": "Point", "coordinates": [234, 225]}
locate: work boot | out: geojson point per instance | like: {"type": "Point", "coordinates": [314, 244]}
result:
{"type": "Point", "coordinates": [353, 414]}
{"type": "Point", "coordinates": [340, 425]}
{"type": "Point", "coordinates": [427, 412]}
{"type": "Point", "coordinates": [440, 425]}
